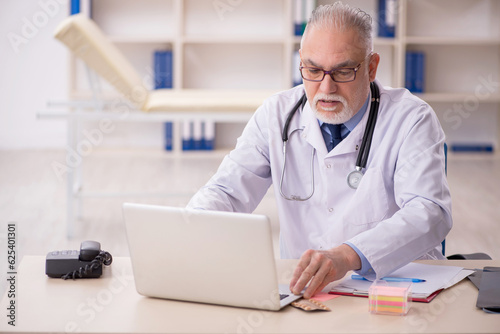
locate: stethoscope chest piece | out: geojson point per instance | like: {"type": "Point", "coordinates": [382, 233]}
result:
{"type": "Point", "coordinates": [354, 178]}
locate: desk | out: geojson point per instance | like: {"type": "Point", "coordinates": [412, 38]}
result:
{"type": "Point", "coordinates": [111, 305]}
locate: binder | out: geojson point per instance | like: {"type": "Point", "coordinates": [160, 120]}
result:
{"type": "Point", "coordinates": [415, 71]}
{"type": "Point", "coordinates": [163, 69]}
{"type": "Point", "coordinates": [409, 81]}
{"type": "Point", "coordinates": [187, 135]}
{"type": "Point", "coordinates": [309, 7]}
{"type": "Point", "coordinates": [302, 10]}
{"type": "Point", "coordinates": [74, 7]}
{"type": "Point", "coordinates": [163, 78]}
{"type": "Point", "coordinates": [81, 6]}
{"type": "Point", "coordinates": [419, 72]}
{"type": "Point", "coordinates": [197, 135]}
{"type": "Point", "coordinates": [387, 17]}
{"type": "Point", "coordinates": [168, 136]}
{"type": "Point", "coordinates": [471, 147]}
{"type": "Point", "coordinates": [209, 135]}
{"type": "Point", "coordinates": [298, 14]}
{"type": "Point", "coordinates": [296, 77]}
{"type": "Point", "coordinates": [86, 7]}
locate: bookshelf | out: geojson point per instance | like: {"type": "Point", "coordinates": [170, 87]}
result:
{"type": "Point", "coordinates": [230, 44]}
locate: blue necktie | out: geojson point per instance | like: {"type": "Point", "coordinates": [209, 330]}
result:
{"type": "Point", "coordinates": [335, 135]}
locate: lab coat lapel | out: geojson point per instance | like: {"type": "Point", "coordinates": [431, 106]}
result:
{"type": "Point", "coordinates": [312, 131]}
{"type": "Point", "coordinates": [353, 141]}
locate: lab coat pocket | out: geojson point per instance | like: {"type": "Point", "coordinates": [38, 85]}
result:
{"type": "Point", "coordinates": [370, 204]}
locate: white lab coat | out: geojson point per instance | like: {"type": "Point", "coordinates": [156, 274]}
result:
{"type": "Point", "coordinates": [401, 210]}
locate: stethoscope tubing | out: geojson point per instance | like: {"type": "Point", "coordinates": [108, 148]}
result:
{"type": "Point", "coordinates": [366, 142]}
{"type": "Point", "coordinates": [300, 103]}
{"type": "Point", "coordinates": [354, 177]}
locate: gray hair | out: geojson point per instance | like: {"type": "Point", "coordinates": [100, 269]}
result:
{"type": "Point", "coordinates": [342, 17]}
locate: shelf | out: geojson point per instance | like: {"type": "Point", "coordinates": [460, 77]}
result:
{"type": "Point", "coordinates": [465, 41]}
{"type": "Point", "coordinates": [483, 97]}
{"type": "Point", "coordinates": [152, 117]}
{"type": "Point", "coordinates": [229, 66]}
{"type": "Point", "coordinates": [454, 19]}
{"type": "Point", "coordinates": [143, 18]}
{"type": "Point", "coordinates": [264, 18]}
{"type": "Point", "coordinates": [377, 41]}
{"type": "Point", "coordinates": [380, 41]}
{"type": "Point", "coordinates": [142, 39]}
{"type": "Point", "coordinates": [232, 40]}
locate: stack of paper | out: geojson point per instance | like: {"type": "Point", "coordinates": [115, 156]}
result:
{"type": "Point", "coordinates": [436, 279]}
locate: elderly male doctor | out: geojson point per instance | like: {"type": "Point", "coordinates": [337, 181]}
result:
{"type": "Point", "coordinates": [401, 210]}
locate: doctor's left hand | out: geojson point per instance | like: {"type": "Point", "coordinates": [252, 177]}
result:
{"type": "Point", "coordinates": [319, 268]}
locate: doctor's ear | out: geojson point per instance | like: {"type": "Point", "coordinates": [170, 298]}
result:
{"type": "Point", "coordinates": [373, 66]}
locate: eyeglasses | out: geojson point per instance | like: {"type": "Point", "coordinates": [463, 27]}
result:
{"type": "Point", "coordinates": [344, 74]}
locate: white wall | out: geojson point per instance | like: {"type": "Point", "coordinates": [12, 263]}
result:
{"type": "Point", "coordinates": [33, 69]}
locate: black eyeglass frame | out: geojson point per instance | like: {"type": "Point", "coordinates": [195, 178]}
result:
{"type": "Point", "coordinates": [331, 72]}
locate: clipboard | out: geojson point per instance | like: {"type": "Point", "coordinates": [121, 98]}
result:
{"type": "Point", "coordinates": [435, 279]}
{"type": "Point", "coordinates": [365, 295]}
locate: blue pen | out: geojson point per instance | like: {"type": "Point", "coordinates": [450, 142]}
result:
{"type": "Point", "coordinates": [391, 279]}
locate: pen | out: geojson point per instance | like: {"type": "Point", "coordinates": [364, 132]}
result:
{"type": "Point", "coordinates": [391, 279]}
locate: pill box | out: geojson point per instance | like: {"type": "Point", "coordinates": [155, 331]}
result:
{"type": "Point", "coordinates": [389, 297]}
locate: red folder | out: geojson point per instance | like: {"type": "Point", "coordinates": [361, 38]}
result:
{"type": "Point", "coordinates": [365, 295]}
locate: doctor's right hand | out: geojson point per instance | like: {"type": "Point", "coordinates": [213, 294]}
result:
{"type": "Point", "coordinates": [319, 268]}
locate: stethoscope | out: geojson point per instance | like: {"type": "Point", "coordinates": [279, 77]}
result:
{"type": "Point", "coordinates": [354, 177]}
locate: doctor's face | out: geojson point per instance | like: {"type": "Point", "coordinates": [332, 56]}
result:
{"type": "Point", "coordinates": [328, 49]}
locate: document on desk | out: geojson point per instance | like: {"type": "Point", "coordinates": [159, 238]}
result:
{"type": "Point", "coordinates": [436, 279]}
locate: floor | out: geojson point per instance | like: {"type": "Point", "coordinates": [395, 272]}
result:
{"type": "Point", "coordinates": [33, 196]}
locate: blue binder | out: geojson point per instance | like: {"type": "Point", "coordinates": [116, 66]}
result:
{"type": "Point", "coordinates": [187, 136]}
{"type": "Point", "coordinates": [415, 71]}
{"type": "Point", "coordinates": [298, 15]}
{"type": "Point", "coordinates": [409, 80]}
{"type": "Point", "coordinates": [387, 15]}
{"type": "Point", "coordinates": [163, 69]}
{"type": "Point", "coordinates": [163, 78]}
{"type": "Point", "coordinates": [208, 135]}
{"type": "Point", "coordinates": [169, 136]}
{"type": "Point", "coordinates": [296, 77]}
{"type": "Point", "coordinates": [419, 65]}
{"type": "Point", "coordinates": [74, 7]}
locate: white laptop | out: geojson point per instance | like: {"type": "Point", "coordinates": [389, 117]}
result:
{"type": "Point", "coordinates": [204, 256]}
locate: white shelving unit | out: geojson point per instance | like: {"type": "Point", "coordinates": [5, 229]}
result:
{"type": "Point", "coordinates": [249, 44]}
{"type": "Point", "coordinates": [461, 40]}
{"type": "Point", "coordinates": [228, 44]}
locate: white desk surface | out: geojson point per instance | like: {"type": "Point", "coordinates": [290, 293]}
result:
{"type": "Point", "coordinates": [111, 304]}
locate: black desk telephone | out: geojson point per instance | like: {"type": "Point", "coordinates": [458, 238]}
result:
{"type": "Point", "coordinates": [86, 263]}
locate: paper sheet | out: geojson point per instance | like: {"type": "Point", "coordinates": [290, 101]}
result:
{"type": "Point", "coordinates": [437, 277]}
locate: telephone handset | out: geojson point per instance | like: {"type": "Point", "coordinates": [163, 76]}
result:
{"type": "Point", "coordinates": [86, 263]}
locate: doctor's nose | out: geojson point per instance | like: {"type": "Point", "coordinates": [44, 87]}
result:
{"type": "Point", "coordinates": [327, 85]}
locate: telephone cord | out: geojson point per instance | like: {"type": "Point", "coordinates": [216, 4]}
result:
{"type": "Point", "coordinates": [102, 258]}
